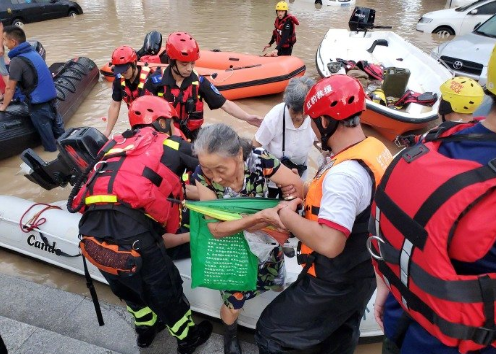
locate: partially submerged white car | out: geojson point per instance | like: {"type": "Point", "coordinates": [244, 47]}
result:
{"type": "Point", "coordinates": [468, 55]}
{"type": "Point", "coordinates": [459, 21]}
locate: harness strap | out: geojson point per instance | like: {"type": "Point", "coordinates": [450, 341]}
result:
{"type": "Point", "coordinates": [464, 291]}
{"type": "Point", "coordinates": [94, 296]}
{"type": "Point", "coordinates": [480, 335]}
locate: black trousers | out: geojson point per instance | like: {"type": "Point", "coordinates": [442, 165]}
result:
{"type": "Point", "coordinates": [313, 313]}
{"type": "Point", "coordinates": [158, 285]}
{"type": "Point", "coordinates": [285, 51]}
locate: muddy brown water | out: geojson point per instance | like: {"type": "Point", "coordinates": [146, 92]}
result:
{"type": "Point", "coordinates": [239, 26]}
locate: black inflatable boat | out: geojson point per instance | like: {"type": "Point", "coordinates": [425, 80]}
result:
{"type": "Point", "coordinates": [73, 79]}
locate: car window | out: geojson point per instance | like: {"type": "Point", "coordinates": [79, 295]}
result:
{"type": "Point", "coordinates": [488, 28]}
{"type": "Point", "coordinates": [466, 7]}
{"type": "Point", "coordinates": [487, 9]}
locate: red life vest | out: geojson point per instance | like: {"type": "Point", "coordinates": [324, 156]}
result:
{"type": "Point", "coordinates": [132, 173]}
{"type": "Point", "coordinates": [188, 103]}
{"type": "Point", "coordinates": [279, 27]}
{"type": "Point", "coordinates": [130, 95]}
{"type": "Point", "coordinates": [428, 210]}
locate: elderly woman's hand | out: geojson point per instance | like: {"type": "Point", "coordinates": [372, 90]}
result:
{"type": "Point", "coordinates": [271, 217]}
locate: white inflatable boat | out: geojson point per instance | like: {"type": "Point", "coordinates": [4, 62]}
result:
{"type": "Point", "coordinates": [388, 49]}
{"type": "Point", "coordinates": [57, 238]}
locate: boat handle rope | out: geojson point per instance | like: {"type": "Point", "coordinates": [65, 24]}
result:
{"type": "Point", "coordinates": [35, 222]}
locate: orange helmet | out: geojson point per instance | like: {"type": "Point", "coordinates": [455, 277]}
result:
{"type": "Point", "coordinates": [147, 110]}
{"type": "Point", "coordinates": [181, 46]}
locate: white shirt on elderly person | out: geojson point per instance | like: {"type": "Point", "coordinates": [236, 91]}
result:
{"type": "Point", "coordinates": [299, 140]}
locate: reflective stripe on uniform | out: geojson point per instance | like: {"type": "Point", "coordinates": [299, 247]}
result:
{"type": "Point", "coordinates": [143, 317]}
{"type": "Point", "coordinates": [180, 329]}
{"type": "Point", "coordinates": [172, 144]}
{"type": "Point", "coordinates": [100, 199]}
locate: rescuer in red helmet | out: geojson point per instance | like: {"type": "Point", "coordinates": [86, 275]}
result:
{"type": "Point", "coordinates": [129, 209]}
{"type": "Point", "coordinates": [328, 300]}
{"type": "Point", "coordinates": [186, 90]}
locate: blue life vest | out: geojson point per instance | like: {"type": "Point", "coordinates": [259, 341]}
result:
{"type": "Point", "coordinates": [45, 87]}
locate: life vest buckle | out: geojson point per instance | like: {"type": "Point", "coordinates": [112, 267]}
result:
{"type": "Point", "coordinates": [484, 336]}
{"type": "Point", "coordinates": [379, 256]}
{"type": "Point", "coordinates": [492, 164]}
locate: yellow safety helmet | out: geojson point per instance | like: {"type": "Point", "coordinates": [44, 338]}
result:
{"type": "Point", "coordinates": [491, 73]}
{"type": "Point", "coordinates": [463, 94]}
{"type": "Point", "coordinates": [282, 6]}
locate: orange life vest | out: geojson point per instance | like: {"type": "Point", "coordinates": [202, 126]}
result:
{"type": "Point", "coordinates": [130, 95]}
{"type": "Point", "coordinates": [355, 259]}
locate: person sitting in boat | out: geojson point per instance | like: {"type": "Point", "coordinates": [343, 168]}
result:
{"type": "Point", "coordinates": [460, 98]}
{"type": "Point", "coordinates": [231, 168]}
{"type": "Point", "coordinates": [128, 84]}
{"type": "Point", "coordinates": [29, 72]}
{"type": "Point", "coordinates": [325, 305]}
{"type": "Point", "coordinates": [439, 299]}
{"type": "Point", "coordinates": [152, 46]}
{"type": "Point", "coordinates": [126, 204]}
{"type": "Point", "coordinates": [286, 132]}
{"type": "Point", "coordinates": [186, 90]}
{"type": "Point", "coordinates": [284, 34]}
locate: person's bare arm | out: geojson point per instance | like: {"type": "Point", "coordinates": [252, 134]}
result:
{"type": "Point", "coordinates": [113, 114]}
{"type": "Point", "coordinates": [236, 111]}
{"type": "Point", "coordinates": [173, 240]}
{"type": "Point", "coordinates": [289, 181]}
{"type": "Point", "coordinates": [255, 143]}
{"type": "Point", "coordinates": [227, 228]}
{"type": "Point", "coordinates": [321, 238]}
{"type": "Point", "coordinates": [9, 94]}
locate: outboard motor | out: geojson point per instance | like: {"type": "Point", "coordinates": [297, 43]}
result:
{"type": "Point", "coordinates": [78, 151]}
{"type": "Point", "coordinates": [38, 47]}
{"type": "Point", "coordinates": [362, 19]}
{"type": "Point", "coordinates": [152, 44]}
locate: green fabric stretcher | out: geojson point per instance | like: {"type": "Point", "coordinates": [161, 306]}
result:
{"type": "Point", "coordinates": [225, 263]}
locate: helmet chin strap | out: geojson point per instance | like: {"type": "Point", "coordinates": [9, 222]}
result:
{"type": "Point", "coordinates": [326, 133]}
{"type": "Point", "coordinates": [176, 70]}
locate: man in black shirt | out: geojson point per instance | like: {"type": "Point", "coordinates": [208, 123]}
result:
{"type": "Point", "coordinates": [186, 90]}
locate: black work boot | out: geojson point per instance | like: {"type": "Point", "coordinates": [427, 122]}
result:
{"type": "Point", "coordinates": [231, 341]}
{"type": "Point", "coordinates": [197, 335]}
{"type": "Point", "coordinates": [146, 334]}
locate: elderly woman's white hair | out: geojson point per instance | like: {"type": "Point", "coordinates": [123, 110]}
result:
{"type": "Point", "coordinates": [296, 91]}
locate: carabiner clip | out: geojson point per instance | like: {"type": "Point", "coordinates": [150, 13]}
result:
{"type": "Point", "coordinates": [371, 250]}
{"type": "Point", "coordinates": [97, 166]}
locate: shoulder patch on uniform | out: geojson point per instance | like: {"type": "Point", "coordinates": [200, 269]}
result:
{"type": "Point", "coordinates": [156, 79]}
{"type": "Point", "coordinates": [118, 76]}
{"type": "Point", "coordinates": [214, 89]}
{"type": "Point", "coordinates": [200, 78]}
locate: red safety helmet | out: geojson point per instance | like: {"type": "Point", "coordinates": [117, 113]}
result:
{"type": "Point", "coordinates": [124, 55]}
{"type": "Point", "coordinates": [339, 97]}
{"type": "Point", "coordinates": [181, 46]}
{"type": "Point", "coordinates": [148, 109]}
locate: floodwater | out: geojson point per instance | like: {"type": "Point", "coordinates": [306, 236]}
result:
{"type": "Point", "coordinates": [239, 26]}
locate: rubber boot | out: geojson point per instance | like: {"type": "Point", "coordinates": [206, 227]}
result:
{"type": "Point", "coordinates": [231, 341]}
{"type": "Point", "coordinates": [197, 335]}
{"type": "Point", "coordinates": [146, 334]}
